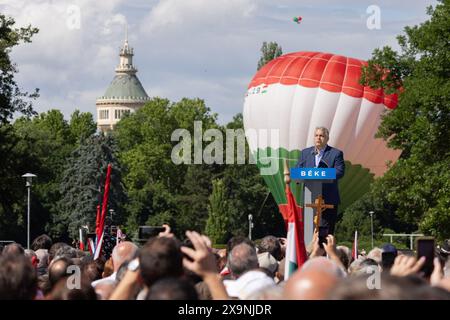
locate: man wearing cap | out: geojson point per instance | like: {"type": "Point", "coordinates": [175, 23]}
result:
{"type": "Point", "coordinates": [324, 156]}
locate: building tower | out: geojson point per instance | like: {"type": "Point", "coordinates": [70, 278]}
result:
{"type": "Point", "coordinates": [124, 94]}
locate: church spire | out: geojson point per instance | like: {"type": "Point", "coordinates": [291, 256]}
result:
{"type": "Point", "coordinates": [126, 57]}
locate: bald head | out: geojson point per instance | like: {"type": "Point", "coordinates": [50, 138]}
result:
{"type": "Point", "coordinates": [124, 251]}
{"type": "Point", "coordinates": [324, 264]}
{"type": "Point", "coordinates": [14, 249]}
{"type": "Point", "coordinates": [242, 258]}
{"type": "Point", "coordinates": [314, 280]}
{"type": "Point", "coordinates": [58, 270]}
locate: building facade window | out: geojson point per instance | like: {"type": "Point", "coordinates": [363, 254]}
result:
{"type": "Point", "coordinates": [118, 113]}
{"type": "Point", "coordinates": [104, 114]}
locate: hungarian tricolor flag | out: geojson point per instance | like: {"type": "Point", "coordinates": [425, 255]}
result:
{"type": "Point", "coordinates": [81, 245]}
{"type": "Point", "coordinates": [295, 251]}
{"type": "Point", "coordinates": [355, 247]}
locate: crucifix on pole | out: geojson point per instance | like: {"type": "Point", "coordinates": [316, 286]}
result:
{"type": "Point", "coordinates": [320, 206]}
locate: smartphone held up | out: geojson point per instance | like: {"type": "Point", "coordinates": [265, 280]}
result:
{"type": "Point", "coordinates": [426, 248]}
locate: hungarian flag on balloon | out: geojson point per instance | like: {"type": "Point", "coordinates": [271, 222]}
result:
{"type": "Point", "coordinates": [295, 251]}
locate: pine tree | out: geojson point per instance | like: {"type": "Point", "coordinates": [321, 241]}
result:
{"type": "Point", "coordinates": [82, 186]}
{"type": "Point", "coordinates": [218, 219]}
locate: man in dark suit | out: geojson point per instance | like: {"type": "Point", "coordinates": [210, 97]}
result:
{"type": "Point", "coordinates": [324, 156]}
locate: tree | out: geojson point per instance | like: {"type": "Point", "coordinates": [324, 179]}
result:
{"type": "Point", "coordinates": [82, 125]}
{"type": "Point", "coordinates": [248, 194]}
{"type": "Point", "coordinates": [418, 185]}
{"type": "Point", "coordinates": [82, 186]}
{"type": "Point", "coordinates": [269, 51]}
{"type": "Point", "coordinates": [193, 198]}
{"type": "Point", "coordinates": [50, 139]}
{"type": "Point", "coordinates": [14, 160]}
{"type": "Point", "coordinates": [217, 224]}
{"type": "Point", "coordinates": [47, 138]}
{"type": "Point", "coordinates": [157, 187]}
{"type": "Point", "coordinates": [12, 100]}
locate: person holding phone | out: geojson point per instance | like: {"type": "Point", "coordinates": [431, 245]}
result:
{"type": "Point", "coordinates": [321, 155]}
{"type": "Point", "coordinates": [424, 263]}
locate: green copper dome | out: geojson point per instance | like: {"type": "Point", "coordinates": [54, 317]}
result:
{"type": "Point", "coordinates": [125, 86]}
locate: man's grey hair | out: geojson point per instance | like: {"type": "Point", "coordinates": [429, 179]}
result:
{"type": "Point", "coordinates": [14, 249]}
{"type": "Point", "coordinates": [66, 252]}
{"type": "Point", "coordinates": [242, 258]}
{"type": "Point", "coordinates": [324, 130]}
{"type": "Point", "coordinates": [124, 251]}
{"type": "Point", "coordinates": [324, 265]}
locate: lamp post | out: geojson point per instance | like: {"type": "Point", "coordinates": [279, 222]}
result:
{"type": "Point", "coordinates": [250, 226]}
{"type": "Point", "coordinates": [28, 177]}
{"type": "Point", "coordinates": [111, 212]}
{"type": "Point", "coordinates": [371, 225]}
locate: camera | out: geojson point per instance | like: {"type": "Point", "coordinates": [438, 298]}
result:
{"type": "Point", "coordinates": [147, 232]}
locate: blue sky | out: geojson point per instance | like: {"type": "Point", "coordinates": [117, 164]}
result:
{"type": "Point", "coordinates": [186, 48]}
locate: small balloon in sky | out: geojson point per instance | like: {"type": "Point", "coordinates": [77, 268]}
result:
{"type": "Point", "coordinates": [297, 19]}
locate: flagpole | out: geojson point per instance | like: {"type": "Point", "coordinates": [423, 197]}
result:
{"type": "Point", "coordinates": [105, 198]}
{"type": "Point", "coordinates": [81, 246]}
{"type": "Point", "coordinates": [287, 174]}
{"type": "Point", "coordinates": [101, 229]}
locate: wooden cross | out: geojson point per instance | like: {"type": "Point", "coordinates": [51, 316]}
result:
{"type": "Point", "coordinates": [320, 206]}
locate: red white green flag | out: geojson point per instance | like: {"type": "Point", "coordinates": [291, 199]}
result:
{"type": "Point", "coordinates": [355, 247]}
{"type": "Point", "coordinates": [295, 251]}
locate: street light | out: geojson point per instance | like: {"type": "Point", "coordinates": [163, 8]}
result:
{"type": "Point", "coordinates": [371, 224]}
{"type": "Point", "coordinates": [250, 226]}
{"type": "Point", "coordinates": [28, 177]}
{"type": "Point", "coordinates": [111, 212]}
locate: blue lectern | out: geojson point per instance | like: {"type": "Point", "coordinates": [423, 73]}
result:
{"type": "Point", "coordinates": [312, 179]}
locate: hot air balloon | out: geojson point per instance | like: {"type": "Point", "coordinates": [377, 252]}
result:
{"type": "Point", "coordinates": [297, 19]}
{"type": "Point", "coordinates": [299, 91]}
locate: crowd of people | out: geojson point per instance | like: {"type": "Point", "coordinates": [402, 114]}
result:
{"type": "Point", "coordinates": [165, 268]}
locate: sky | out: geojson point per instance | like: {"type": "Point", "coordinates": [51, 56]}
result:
{"type": "Point", "coordinates": [187, 48]}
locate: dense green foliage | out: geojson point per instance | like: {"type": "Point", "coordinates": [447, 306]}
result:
{"type": "Point", "coordinates": [83, 183]}
{"type": "Point", "coordinates": [218, 220]}
{"type": "Point", "coordinates": [415, 193]}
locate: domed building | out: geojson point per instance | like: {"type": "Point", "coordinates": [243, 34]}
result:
{"type": "Point", "coordinates": [124, 94]}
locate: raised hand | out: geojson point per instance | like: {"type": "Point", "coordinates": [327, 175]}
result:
{"type": "Point", "coordinates": [201, 259]}
{"type": "Point", "coordinates": [330, 245]}
{"type": "Point", "coordinates": [404, 266]}
{"type": "Point", "coordinates": [166, 233]}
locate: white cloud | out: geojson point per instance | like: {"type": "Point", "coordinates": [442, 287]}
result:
{"type": "Point", "coordinates": [184, 15]}
{"type": "Point", "coordinates": [110, 23]}
{"type": "Point", "coordinates": [68, 64]}
{"type": "Point", "coordinates": [195, 48]}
